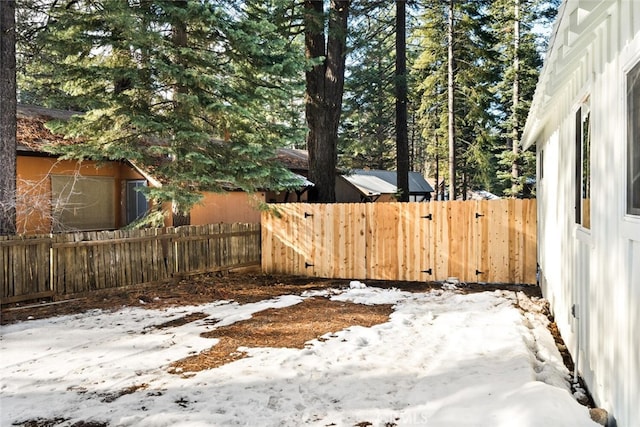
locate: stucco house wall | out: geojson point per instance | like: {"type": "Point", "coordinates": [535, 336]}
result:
{"type": "Point", "coordinates": [230, 207]}
{"type": "Point", "coordinates": [34, 211]}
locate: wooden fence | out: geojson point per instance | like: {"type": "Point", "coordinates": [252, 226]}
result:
{"type": "Point", "coordinates": [72, 263]}
{"type": "Point", "coordinates": [475, 241]}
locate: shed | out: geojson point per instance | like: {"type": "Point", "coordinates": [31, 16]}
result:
{"type": "Point", "coordinates": [364, 188]}
{"type": "Point", "coordinates": [419, 189]}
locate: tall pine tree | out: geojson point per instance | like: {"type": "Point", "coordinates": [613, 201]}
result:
{"type": "Point", "coordinates": [473, 71]}
{"type": "Point", "coordinates": [520, 53]}
{"type": "Point", "coordinates": [190, 90]}
{"type": "Point", "coordinates": [368, 137]}
{"type": "Point", "coordinates": [367, 130]}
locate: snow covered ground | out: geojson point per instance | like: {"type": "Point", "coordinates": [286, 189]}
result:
{"type": "Point", "coordinates": [443, 359]}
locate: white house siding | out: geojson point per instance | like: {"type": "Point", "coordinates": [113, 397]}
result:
{"type": "Point", "coordinates": [595, 44]}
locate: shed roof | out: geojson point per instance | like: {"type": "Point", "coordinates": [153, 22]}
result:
{"type": "Point", "coordinates": [417, 183]}
{"type": "Point", "coordinates": [370, 185]}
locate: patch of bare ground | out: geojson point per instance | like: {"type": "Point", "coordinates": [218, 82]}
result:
{"type": "Point", "coordinates": [191, 317]}
{"type": "Point", "coordinates": [242, 287]}
{"type": "Point", "coordinates": [289, 327]}
{"type": "Point", "coordinates": [111, 397]}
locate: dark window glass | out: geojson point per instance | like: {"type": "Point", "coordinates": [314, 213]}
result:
{"type": "Point", "coordinates": [633, 141]}
{"type": "Point", "coordinates": [136, 204]}
{"type": "Point", "coordinates": [583, 167]}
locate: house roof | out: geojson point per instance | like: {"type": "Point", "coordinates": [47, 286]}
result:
{"type": "Point", "coordinates": [293, 158]}
{"type": "Point", "coordinates": [31, 131]}
{"type": "Point", "coordinates": [568, 48]}
{"type": "Point", "coordinates": [370, 185]}
{"type": "Point", "coordinates": [417, 183]}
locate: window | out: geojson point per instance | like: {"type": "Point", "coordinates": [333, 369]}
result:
{"type": "Point", "coordinates": [633, 141]}
{"type": "Point", "coordinates": [82, 203]}
{"type": "Point", "coordinates": [583, 166]}
{"type": "Point", "coordinates": [136, 202]}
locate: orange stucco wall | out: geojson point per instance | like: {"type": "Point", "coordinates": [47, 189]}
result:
{"type": "Point", "coordinates": [33, 185]}
{"type": "Point", "coordinates": [234, 206]}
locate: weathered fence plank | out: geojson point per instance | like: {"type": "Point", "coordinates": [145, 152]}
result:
{"type": "Point", "coordinates": [25, 271]}
{"type": "Point", "coordinates": [475, 241]}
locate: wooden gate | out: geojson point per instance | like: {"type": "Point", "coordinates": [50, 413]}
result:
{"type": "Point", "coordinates": [475, 241]}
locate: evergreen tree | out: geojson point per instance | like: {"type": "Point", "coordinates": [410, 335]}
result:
{"type": "Point", "coordinates": [402, 134]}
{"type": "Point", "coordinates": [34, 61]}
{"type": "Point", "coordinates": [520, 50]}
{"type": "Point", "coordinates": [367, 130]}
{"type": "Point", "coordinates": [477, 72]}
{"type": "Point", "coordinates": [473, 68]}
{"type": "Point", "coordinates": [191, 90]}
{"type": "Point", "coordinates": [368, 127]}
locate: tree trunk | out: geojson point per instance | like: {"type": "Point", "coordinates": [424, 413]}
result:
{"type": "Point", "coordinates": [7, 117]}
{"type": "Point", "coordinates": [179, 38]}
{"type": "Point", "coordinates": [515, 142]}
{"type": "Point", "coordinates": [451, 106]}
{"type": "Point", "coordinates": [324, 89]}
{"type": "Point", "coordinates": [402, 143]}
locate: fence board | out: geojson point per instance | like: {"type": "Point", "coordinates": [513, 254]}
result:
{"type": "Point", "coordinates": [475, 241]}
{"type": "Point", "coordinates": [25, 271]}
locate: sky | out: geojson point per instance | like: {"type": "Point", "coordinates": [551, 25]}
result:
{"type": "Point", "coordinates": [443, 358]}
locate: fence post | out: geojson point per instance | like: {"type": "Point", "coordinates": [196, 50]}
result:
{"type": "Point", "coordinates": [52, 285]}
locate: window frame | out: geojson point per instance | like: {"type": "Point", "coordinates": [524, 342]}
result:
{"type": "Point", "coordinates": [632, 104]}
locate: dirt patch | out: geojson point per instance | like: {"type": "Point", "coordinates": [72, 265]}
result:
{"type": "Point", "coordinates": [289, 327]}
{"type": "Point", "coordinates": [578, 385]}
{"type": "Point", "coordinates": [191, 317]}
{"type": "Point", "coordinates": [242, 287]}
{"type": "Point", "coordinates": [111, 397]}
{"type": "Point", "coordinates": [194, 290]}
